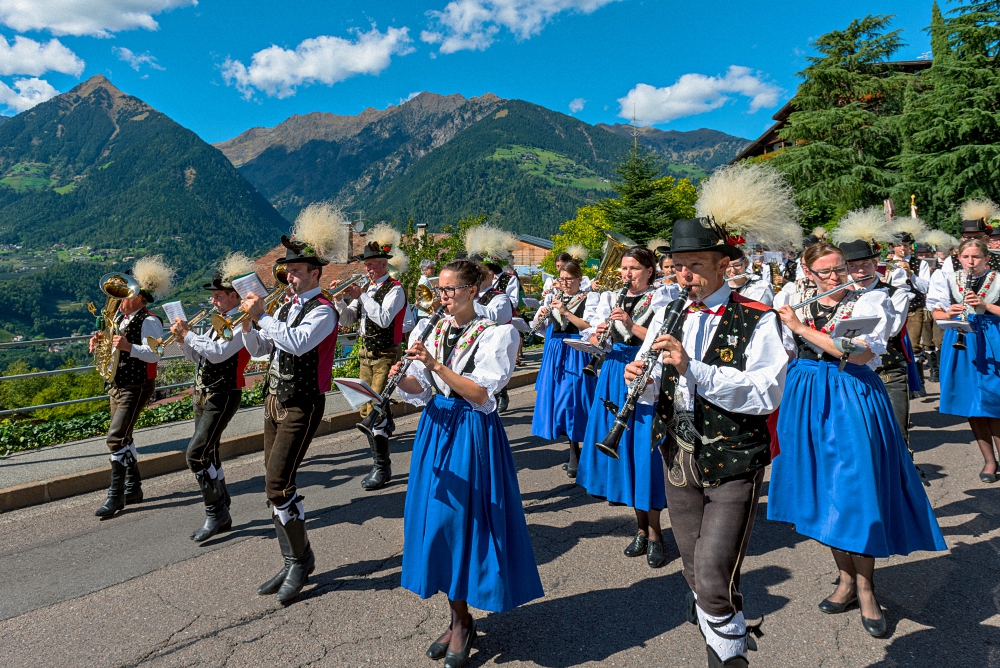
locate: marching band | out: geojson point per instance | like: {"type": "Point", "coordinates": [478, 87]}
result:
{"type": "Point", "coordinates": [677, 376]}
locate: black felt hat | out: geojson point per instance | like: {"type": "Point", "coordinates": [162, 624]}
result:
{"type": "Point", "coordinates": [373, 252]}
{"type": "Point", "coordinates": [810, 240]}
{"type": "Point", "coordinates": [701, 234]}
{"type": "Point", "coordinates": [973, 226]}
{"type": "Point", "coordinates": [904, 239]}
{"type": "Point", "coordinates": [217, 283]}
{"type": "Point", "coordinates": [297, 251]}
{"type": "Point", "coordinates": [663, 251]}
{"type": "Point", "coordinates": [923, 248]}
{"type": "Point", "coordinates": [859, 249]}
{"type": "Point", "coordinates": [995, 231]}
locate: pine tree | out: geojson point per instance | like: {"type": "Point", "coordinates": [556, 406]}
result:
{"type": "Point", "coordinates": [951, 120]}
{"type": "Point", "coordinates": [648, 203]}
{"type": "Point", "coordinates": [843, 128]}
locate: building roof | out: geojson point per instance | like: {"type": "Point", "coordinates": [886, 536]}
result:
{"type": "Point", "coordinates": [535, 241]}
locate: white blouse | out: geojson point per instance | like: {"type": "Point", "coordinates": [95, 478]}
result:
{"type": "Point", "coordinates": [875, 303]}
{"type": "Point", "coordinates": [494, 351]}
{"type": "Point", "coordinates": [602, 308]}
{"type": "Point", "coordinates": [589, 308]}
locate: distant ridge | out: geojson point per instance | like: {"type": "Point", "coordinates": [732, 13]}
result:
{"type": "Point", "coordinates": [704, 148]}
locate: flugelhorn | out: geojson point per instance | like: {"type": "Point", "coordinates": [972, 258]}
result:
{"type": "Point", "coordinates": [224, 327]}
{"type": "Point", "coordinates": [361, 279]}
{"type": "Point", "coordinates": [118, 287]}
{"type": "Point", "coordinates": [159, 345]}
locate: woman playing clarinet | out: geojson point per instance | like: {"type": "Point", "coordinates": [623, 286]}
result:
{"type": "Point", "coordinates": [844, 476]}
{"type": "Point", "coordinates": [635, 479]}
{"type": "Point", "coordinates": [464, 531]}
{"type": "Point", "coordinates": [970, 371]}
{"type": "Point", "coordinates": [563, 393]}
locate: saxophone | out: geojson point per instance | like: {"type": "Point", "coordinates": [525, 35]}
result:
{"type": "Point", "coordinates": [118, 287]}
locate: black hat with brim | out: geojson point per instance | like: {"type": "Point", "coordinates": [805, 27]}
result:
{"type": "Point", "coordinates": [995, 231]}
{"type": "Point", "coordinates": [373, 252]}
{"type": "Point", "coordinates": [217, 283]}
{"type": "Point", "coordinates": [923, 248]}
{"type": "Point", "coordinates": [296, 251]}
{"type": "Point", "coordinates": [859, 249]}
{"type": "Point", "coordinates": [696, 235]}
{"type": "Point", "coordinates": [810, 240]}
{"type": "Point", "coordinates": [663, 251]}
{"type": "Point", "coordinates": [977, 225]}
{"type": "Point", "coordinates": [905, 238]}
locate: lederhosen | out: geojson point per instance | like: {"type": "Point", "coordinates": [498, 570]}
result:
{"type": "Point", "coordinates": [893, 370]}
{"type": "Point", "coordinates": [132, 386]}
{"type": "Point", "coordinates": [380, 346]}
{"type": "Point", "coordinates": [218, 389]}
{"type": "Point", "coordinates": [714, 463]}
{"type": "Point", "coordinates": [293, 408]}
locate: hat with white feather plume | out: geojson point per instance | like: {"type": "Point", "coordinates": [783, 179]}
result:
{"type": "Point", "coordinates": [860, 233]}
{"type": "Point", "coordinates": [232, 266]}
{"type": "Point", "coordinates": [319, 231]}
{"type": "Point", "coordinates": [976, 215]}
{"type": "Point", "coordinates": [154, 277]}
{"type": "Point", "coordinates": [486, 243]}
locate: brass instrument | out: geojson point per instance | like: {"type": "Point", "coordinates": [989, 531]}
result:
{"type": "Point", "coordinates": [359, 279]}
{"type": "Point", "coordinates": [224, 327]}
{"type": "Point", "coordinates": [592, 368]}
{"type": "Point", "coordinates": [159, 345]}
{"type": "Point", "coordinates": [118, 287]}
{"type": "Point", "coordinates": [775, 274]}
{"type": "Point", "coordinates": [806, 302]}
{"type": "Point", "coordinates": [609, 275]}
{"type": "Point", "coordinates": [960, 335]}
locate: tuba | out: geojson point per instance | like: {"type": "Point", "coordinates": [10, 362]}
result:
{"type": "Point", "coordinates": [609, 273]}
{"type": "Point", "coordinates": [118, 287]}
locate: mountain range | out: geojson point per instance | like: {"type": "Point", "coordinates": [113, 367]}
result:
{"type": "Point", "coordinates": [438, 158]}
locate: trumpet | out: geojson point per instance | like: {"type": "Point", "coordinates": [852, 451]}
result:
{"type": "Point", "coordinates": [224, 327]}
{"type": "Point", "coordinates": [159, 345]}
{"type": "Point", "coordinates": [360, 279]}
{"type": "Point", "coordinates": [853, 281]}
{"type": "Point", "coordinates": [597, 358]}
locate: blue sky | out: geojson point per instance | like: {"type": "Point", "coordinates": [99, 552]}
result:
{"type": "Point", "coordinates": [219, 67]}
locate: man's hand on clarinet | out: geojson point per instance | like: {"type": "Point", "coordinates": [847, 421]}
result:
{"type": "Point", "coordinates": [633, 370]}
{"type": "Point", "coordinates": [673, 352]}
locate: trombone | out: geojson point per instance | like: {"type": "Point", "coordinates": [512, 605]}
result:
{"type": "Point", "coordinates": [159, 345]}
{"type": "Point", "coordinates": [853, 281]}
{"type": "Point", "coordinates": [224, 327]}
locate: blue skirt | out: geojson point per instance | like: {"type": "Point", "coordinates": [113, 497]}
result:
{"type": "Point", "coordinates": [563, 393]}
{"type": "Point", "coordinates": [635, 479]}
{"type": "Point", "coordinates": [844, 476]}
{"type": "Point", "coordinates": [464, 531]}
{"type": "Point", "coordinates": [970, 378]}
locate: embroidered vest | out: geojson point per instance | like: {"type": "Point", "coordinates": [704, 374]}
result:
{"type": "Point", "coordinates": [377, 339]}
{"type": "Point", "coordinates": [733, 443]}
{"type": "Point", "coordinates": [302, 376]}
{"type": "Point", "coordinates": [639, 308]}
{"type": "Point", "coordinates": [225, 376]}
{"type": "Point", "coordinates": [132, 371]}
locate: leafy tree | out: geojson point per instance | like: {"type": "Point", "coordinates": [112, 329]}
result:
{"type": "Point", "coordinates": [647, 204]}
{"type": "Point", "coordinates": [584, 230]}
{"type": "Point", "coordinates": [951, 120]}
{"type": "Point", "coordinates": [844, 129]}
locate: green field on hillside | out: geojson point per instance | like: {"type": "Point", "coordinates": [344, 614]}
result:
{"type": "Point", "coordinates": [555, 168]}
{"type": "Point", "coordinates": [26, 176]}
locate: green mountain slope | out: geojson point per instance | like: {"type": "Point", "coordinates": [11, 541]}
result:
{"type": "Point", "coordinates": [100, 168]}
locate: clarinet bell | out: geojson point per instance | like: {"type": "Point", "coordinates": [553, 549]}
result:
{"type": "Point", "coordinates": [594, 367]}
{"type": "Point", "coordinates": [367, 426]}
{"type": "Point", "coordinates": [609, 445]}
{"type": "Point", "coordinates": [959, 341]}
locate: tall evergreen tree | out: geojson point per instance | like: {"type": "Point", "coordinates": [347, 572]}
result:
{"type": "Point", "coordinates": [648, 203]}
{"type": "Point", "coordinates": [951, 120]}
{"type": "Point", "coordinates": [843, 128]}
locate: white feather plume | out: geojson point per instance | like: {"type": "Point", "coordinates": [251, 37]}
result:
{"type": "Point", "coordinates": [235, 265]}
{"type": "Point", "coordinates": [866, 224]}
{"type": "Point", "coordinates": [384, 235]}
{"type": "Point", "coordinates": [490, 241]}
{"type": "Point", "coordinates": [578, 251]}
{"type": "Point", "coordinates": [154, 276]}
{"type": "Point", "coordinates": [323, 227]}
{"type": "Point", "coordinates": [819, 233]}
{"type": "Point", "coordinates": [974, 209]}
{"type": "Point", "coordinates": [915, 227]}
{"type": "Point", "coordinates": [939, 240]}
{"type": "Point", "coordinates": [752, 200]}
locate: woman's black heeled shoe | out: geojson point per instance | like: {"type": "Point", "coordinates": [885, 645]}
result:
{"type": "Point", "coordinates": [637, 547]}
{"type": "Point", "coordinates": [988, 478]}
{"type": "Point", "coordinates": [875, 627]}
{"type": "Point", "coordinates": [438, 649]}
{"type": "Point", "coordinates": [832, 608]}
{"type": "Point", "coordinates": [457, 659]}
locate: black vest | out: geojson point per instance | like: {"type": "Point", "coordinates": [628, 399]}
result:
{"type": "Point", "coordinates": [376, 339]}
{"type": "Point", "coordinates": [570, 328]}
{"type": "Point", "coordinates": [490, 295]}
{"type": "Point", "coordinates": [738, 443]}
{"type": "Point", "coordinates": [299, 374]}
{"type": "Point", "coordinates": [993, 261]}
{"type": "Point", "coordinates": [894, 357]}
{"type": "Point", "coordinates": [919, 299]}
{"type": "Point", "coordinates": [222, 376]}
{"type": "Point", "coordinates": [132, 371]}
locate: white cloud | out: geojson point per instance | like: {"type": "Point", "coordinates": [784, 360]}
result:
{"type": "Point", "coordinates": [404, 100]}
{"type": "Point", "coordinates": [29, 93]}
{"type": "Point", "coordinates": [26, 56]}
{"type": "Point", "coordinates": [472, 25]}
{"type": "Point", "coordinates": [277, 71]}
{"type": "Point", "coordinates": [97, 18]}
{"type": "Point", "coordinates": [695, 94]}
{"type": "Point", "coordinates": [135, 60]}
{"type": "Point", "coordinates": [576, 106]}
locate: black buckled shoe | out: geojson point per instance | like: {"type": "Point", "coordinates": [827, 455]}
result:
{"type": "Point", "coordinates": [116, 492]}
{"type": "Point", "coordinates": [381, 472]}
{"type": "Point", "coordinates": [654, 553]}
{"type": "Point", "coordinates": [274, 584]}
{"type": "Point", "coordinates": [637, 547]}
{"type": "Point", "coordinates": [133, 484]}
{"type": "Point", "coordinates": [733, 662]}
{"type": "Point", "coordinates": [457, 659]}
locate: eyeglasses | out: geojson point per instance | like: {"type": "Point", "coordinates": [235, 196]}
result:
{"type": "Point", "coordinates": [825, 273]}
{"type": "Point", "coordinates": [565, 281]}
{"type": "Point", "coordinates": [449, 291]}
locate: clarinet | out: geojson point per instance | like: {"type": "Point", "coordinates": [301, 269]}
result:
{"type": "Point", "coordinates": [609, 445]}
{"type": "Point", "coordinates": [960, 336]}
{"type": "Point", "coordinates": [597, 358]}
{"type": "Point", "coordinates": [540, 322]}
{"type": "Point", "coordinates": [378, 412]}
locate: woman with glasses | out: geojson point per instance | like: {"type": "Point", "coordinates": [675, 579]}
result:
{"type": "Point", "coordinates": [844, 476]}
{"type": "Point", "coordinates": [563, 393]}
{"type": "Point", "coordinates": [464, 531]}
{"type": "Point", "coordinates": [635, 479]}
{"type": "Point", "coordinates": [970, 375]}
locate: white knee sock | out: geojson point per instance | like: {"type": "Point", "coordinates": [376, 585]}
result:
{"type": "Point", "coordinates": [725, 647]}
{"type": "Point", "coordinates": [127, 455]}
{"type": "Point", "coordinates": [291, 510]}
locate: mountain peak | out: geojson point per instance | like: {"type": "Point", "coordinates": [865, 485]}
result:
{"type": "Point", "coordinates": [93, 83]}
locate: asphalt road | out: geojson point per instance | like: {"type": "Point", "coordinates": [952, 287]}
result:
{"type": "Point", "coordinates": [134, 590]}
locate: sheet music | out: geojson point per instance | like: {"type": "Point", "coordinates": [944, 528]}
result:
{"type": "Point", "coordinates": [244, 285]}
{"type": "Point", "coordinates": [174, 310]}
{"type": "Point", "coordinates": [854, 327]}
{"type": "Point", "coordinates": [960, 325]}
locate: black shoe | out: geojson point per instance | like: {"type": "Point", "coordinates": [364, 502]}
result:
{"type": "Point", "coordinates": [116, 492]}
{"type": "Point", "coordinates": [303, 561]}
{"type": "Point", "coordinates": [574, 459]}
{"type": "Point", "coordinates": [689, 612]}
{"type": "Point", "coordinates": [654, 553]}
{"type": "Point", "coordinates": [456, 659]}
{"type": "Point", "coordinates": [637, 547]}
{"type": "Point", "coordinates": [217, 518]}
{"type": "Point", "coordinates": [438, 649]}
{"type": "Point", "coordinates": [225, 492]}
{"type": "Point", "coordinates": [376, 479]}
{"type": "Point", "coordinates": [988, 478]}
{"type": "Point", "coordinates": [733, 662]}
{"type": "Point", "coordinates": [274, 584]}
{"type": "Point", "coordinates": [832, 608]}
{"type": "Point", "coordinates": [503, 400]}
{"type": "Point", "coordinates": [876, 627]}
{"type": "Point", "coordinates": [133, 484]}
{"type": "Point", "coordinates": [565, 467]}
